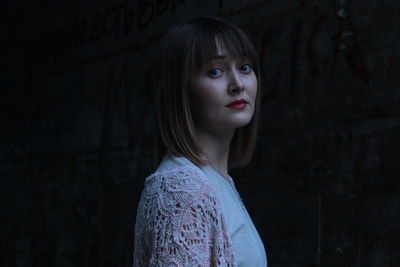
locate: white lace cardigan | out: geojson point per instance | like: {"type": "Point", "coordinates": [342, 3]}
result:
{"type": "Point", "coordinates": [179, 222]}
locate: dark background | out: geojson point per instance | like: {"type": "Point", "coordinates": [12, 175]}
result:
{"type": "Point", "coordinates": [76, 133]}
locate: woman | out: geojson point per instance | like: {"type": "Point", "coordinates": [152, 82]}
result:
{"type": "Point", "coordinates": [207, 101]}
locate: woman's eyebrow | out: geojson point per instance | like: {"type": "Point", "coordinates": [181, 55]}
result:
{"type": "Point", "coordinates": [225, 57]}
{"type": "Point", "coordinates": [218, 57]}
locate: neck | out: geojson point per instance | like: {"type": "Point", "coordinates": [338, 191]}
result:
{"type": "Point", "coordinates": [216, 146]}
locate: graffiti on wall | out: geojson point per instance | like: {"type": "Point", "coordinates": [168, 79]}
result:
{"type": "Point", "coordinates": [344, 41]}
{"type": "Point", "coordinates": [115, 21]}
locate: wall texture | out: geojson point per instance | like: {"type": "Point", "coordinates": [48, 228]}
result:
{"type": "Point", "coordinates": [75, 144]}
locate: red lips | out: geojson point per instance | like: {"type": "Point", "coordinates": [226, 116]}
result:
{"type": "Point", "coordinates": [237, 103]}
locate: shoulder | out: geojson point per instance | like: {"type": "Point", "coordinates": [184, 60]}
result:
{"type": "Point", "coordinates": [183, 187]}
{"type": "Point", "coordinates": [179, 218]}
{"type": "Point", "coordinates": [180, 171]}
{"type": "Point", "coordinates": [180, 178]}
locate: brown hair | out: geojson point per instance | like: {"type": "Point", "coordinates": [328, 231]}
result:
{"type": "Point", "coordinates": [183, 51]}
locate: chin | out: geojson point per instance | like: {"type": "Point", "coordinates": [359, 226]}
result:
{"type": "Point", "coordinates": [242, 122]}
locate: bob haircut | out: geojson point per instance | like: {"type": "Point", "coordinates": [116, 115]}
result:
{"type": "Point", "coordinates": [183, 52]}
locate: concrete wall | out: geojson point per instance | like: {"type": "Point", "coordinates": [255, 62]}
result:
{"type": "Point", "coordinates": [75, 145]}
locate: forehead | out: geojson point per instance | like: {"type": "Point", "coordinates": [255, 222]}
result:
{"type": "Point", "coordinates": [227, 48]}
{"type": "Point", "coordinates": [225, 59]}
{"type": "Point", "coordinates": [220, 53]}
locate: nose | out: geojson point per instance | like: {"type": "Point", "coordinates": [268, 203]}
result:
{"type": "Point", "coordinates": [236, 84]}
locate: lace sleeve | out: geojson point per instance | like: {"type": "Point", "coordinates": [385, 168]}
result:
{"type": "Point", "coordinates": [179, 223]}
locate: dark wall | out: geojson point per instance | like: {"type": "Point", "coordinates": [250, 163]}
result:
{"type": "Point", "coordinates": [75, 145]}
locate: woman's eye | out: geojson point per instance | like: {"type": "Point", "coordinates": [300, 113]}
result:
{"type": "Point", "coordinates": [246, 68]}
{"type": "Point", "coordinates": [215, 73]}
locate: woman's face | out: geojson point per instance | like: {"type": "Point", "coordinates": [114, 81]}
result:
{"type": "Point", "coordinates": [220, 82]}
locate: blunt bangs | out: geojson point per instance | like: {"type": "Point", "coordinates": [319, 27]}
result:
{"type": "Point", "coordinates": [214, 35]}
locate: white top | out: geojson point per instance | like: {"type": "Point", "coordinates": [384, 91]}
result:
{"type": "Point", "coordinates": [247, 245]}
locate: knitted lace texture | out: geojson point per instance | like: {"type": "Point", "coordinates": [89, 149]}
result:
{"type": "Point", "coordinates": [179, 222]}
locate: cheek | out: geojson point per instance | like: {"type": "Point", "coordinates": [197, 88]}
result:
{"type": "Point", "coordinates": [199, 99]}
{"type": "Point", "coordinates": [206, 93]}
{"type": "Point", "coordinates": [253, 87]}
